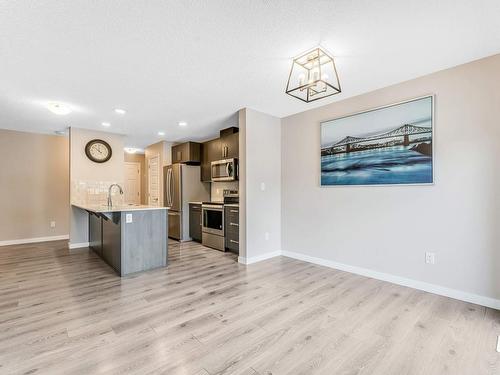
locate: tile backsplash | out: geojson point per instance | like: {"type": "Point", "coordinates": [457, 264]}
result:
{"type": "Point", "coordinates": [94, 192]}
{"type": "Point", "coordinates": [217, 189]}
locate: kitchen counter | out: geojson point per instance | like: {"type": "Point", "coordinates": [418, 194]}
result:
{"type": "Point", "coordinates": [195, 202]}
{"type": "Point", "coordinates": [129, 238]}
{"type": "Point", "coordinates": [117, 208]}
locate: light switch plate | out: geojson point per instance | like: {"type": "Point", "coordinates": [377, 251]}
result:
{"type": "Point", "coordinates": [498, 344]}
{"type": "Point", "coordinates": [128, 218]}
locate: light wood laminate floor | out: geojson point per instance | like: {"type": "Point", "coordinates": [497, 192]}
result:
{"type": "Point", "coordinates": [67, 312]}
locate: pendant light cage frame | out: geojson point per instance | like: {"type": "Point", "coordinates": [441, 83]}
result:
{"type": "Point", "coordinates": [313, 76]}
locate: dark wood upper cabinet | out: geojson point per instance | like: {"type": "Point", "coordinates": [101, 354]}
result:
{"type": "Point", "coordinates": [210, 151]}
{"type": "Point", "coordinates": [225, 147]}
{"type": "Point", "coordinates": [230, 146]}
{"type": "Point", "coordinates": [188, 152]}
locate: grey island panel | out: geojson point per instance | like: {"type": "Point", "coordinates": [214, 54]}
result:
{"type": "Point", "coordinates": [129, 241]}
{"type": "Point", "coordinates": [143, 240]}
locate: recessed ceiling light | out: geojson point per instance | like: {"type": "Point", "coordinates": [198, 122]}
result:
{"type": "Point", "coordinates": [60, 132]}
{"type": "Point", "coordinates": [58, 108]}
{"type": "Point", "coordinates": [120, 111]}
{"type": "Point", "coordinates": [182, 123]}
{"type": "Point", "coordinates": [131, 150]}
{"type": "Point", "coordinates": [106, 124]}
{"type": "Point", "coordinates": [161, 134]}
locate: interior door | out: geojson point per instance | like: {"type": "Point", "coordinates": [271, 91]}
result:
{"type": "Point", "coordinates": [154, 181]}
{"type": "Point", "coordinates": [132, 182]}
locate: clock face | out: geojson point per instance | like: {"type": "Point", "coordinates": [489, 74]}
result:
{"type": "Point", "coordinates": [98, 151]}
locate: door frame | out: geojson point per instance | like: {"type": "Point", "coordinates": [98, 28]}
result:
{"type": "Point", "coordinates": [138, 164]}
{"type": "Point", "coordinates": [159, 179]}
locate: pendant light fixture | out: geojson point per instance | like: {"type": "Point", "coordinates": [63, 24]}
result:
{"type": "Point", "coordinates": [313, 76]}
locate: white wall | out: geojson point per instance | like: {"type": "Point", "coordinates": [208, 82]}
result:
{"type": "Point", "coordinates": [84, 172]}
{"type": "Point", "coordinates": [388, 229]}
{"type": "Point", "coordinates": [260, 149]}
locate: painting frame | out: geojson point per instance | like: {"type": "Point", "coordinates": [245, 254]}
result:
{"type": "Point", "coordinates": [373, 109]}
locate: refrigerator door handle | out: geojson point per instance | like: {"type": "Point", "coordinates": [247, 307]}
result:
{"type": "Point", "coordinates": [171, 187]}
{"type": "Point", "coordinates": [167, 187]}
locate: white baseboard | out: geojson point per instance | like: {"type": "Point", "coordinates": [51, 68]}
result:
{"type": "Point", "coordinates": [33, 240]}
{"type": "Point", "coordinates": [411, 283]}
{"type": "Point", "coordinates": [258, 258]}
{"type": "Point", "coordinates": [78, 245]}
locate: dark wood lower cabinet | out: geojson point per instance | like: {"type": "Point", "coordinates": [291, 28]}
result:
{"type": "Point", "coordinates": [111, 240]}
{"type": "Point", "coordinates": [232, 229]}
{"type": "Point", "coordinates": [195, 222]}
{"type": "Point", "coordinates": [95, 233]}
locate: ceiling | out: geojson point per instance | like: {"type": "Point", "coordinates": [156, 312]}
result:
{"type": "Point", "coordinates": [200, 61]}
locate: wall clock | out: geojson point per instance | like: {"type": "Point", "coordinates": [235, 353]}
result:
{"type": "Point", "coordinates": [98, 151]}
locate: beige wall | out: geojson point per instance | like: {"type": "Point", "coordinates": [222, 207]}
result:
{"type": "Point", "coordinates": [164, 150]}
{"type": "Point", "coordinates": [141, 159]}
{"type": "Point", "coordinates": [89, 181]}
{"type": "Point", "coordinates": [388, 229]}
{"type": "Point", "coordinates": [34, 185]}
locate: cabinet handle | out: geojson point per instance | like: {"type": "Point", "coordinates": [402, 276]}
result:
{"type": "Point", "coordinates": [235, 211]}
{"type": "Point", "coordinates": [235, 224]}
{"type": "Point", "coordinates": [233, 241]}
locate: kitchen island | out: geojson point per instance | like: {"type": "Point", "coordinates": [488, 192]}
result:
{"type": "Point", "coordinates": [129, 238]}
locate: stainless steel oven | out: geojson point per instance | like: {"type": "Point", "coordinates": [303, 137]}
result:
{"type": "Point", "coordinates": [224, 170]}
{"type": "Point", "coordinates": [213, 219]}
{"type": "Point", "coordinates": [212, 227]}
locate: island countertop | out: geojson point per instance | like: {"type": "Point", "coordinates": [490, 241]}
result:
{"type": "Point", "coordinates": [117, 208]}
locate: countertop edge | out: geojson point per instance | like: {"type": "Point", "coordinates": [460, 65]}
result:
{"type": "Point", "coordinates": [117, 209]}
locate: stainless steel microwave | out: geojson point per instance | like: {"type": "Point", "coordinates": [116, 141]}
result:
{"type": "Point", "coordinates": [224, 170]}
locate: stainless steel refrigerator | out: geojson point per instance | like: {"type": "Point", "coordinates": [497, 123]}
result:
{"type": "Point", "coordinates": [182, 185]}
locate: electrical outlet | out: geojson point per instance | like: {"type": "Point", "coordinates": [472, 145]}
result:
{"type": "Point", "coordinates": [266, 236]}
{"type": "Point", "coordinates": [430, 258]}
{"type": "Point", "coordinates": [262, 186]}
{"type": "Point", "coordinates": [128, 218]}
{"type": "Point", "coordinates": [498, 344]}
{"type": "Point", "coordinates": [52, 224]}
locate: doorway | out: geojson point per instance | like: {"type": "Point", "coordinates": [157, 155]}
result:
{"type": "Point", "coordinates": [154, 181]}
{"type": "Point", "coordinates": [132, 182]}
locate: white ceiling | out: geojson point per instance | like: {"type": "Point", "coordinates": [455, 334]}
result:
{"type": "Point", "coordinates": [200, 61]}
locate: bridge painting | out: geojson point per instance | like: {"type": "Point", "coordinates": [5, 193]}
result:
{"type": "Point", "coordinates": [389, 145]}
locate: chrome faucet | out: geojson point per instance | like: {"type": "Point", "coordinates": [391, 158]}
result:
{"type": "Point", "coordinates": [110, 201]}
